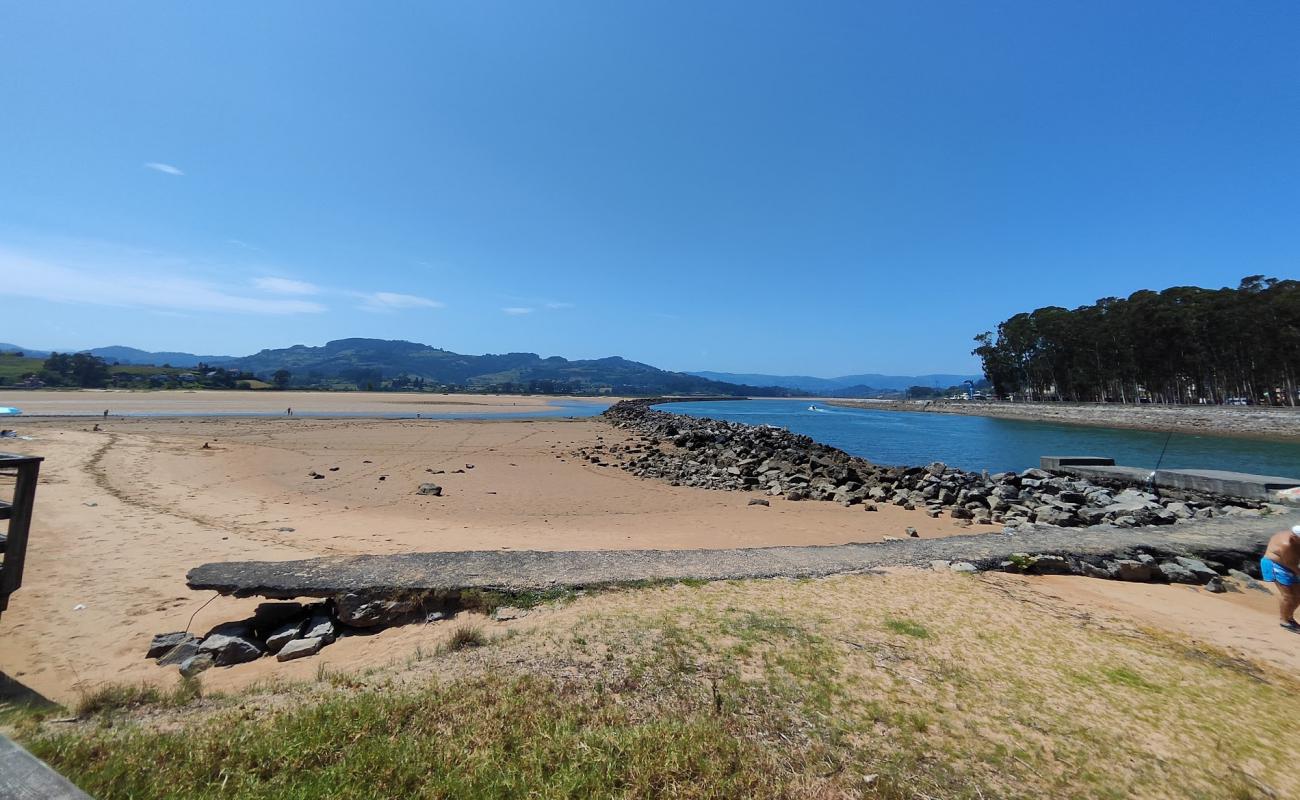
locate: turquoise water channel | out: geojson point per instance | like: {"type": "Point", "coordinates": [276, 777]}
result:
{"type": "Point", "coordinates": [976, 443]}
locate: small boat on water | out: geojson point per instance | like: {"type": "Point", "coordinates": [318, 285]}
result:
{"type": "Point", "coordinates": [813, 408]}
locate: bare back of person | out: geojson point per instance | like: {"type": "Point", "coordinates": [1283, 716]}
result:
{"type": "Point", "coordinates": [1280, 565]}
{"type": "Point", "coordinates": [1284, 549]}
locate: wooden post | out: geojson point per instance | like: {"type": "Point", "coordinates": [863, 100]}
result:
{"type": "Point", "coordinates": [20, 520]}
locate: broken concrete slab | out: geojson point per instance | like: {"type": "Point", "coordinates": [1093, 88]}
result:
{"type": "Point", "coordinates": [1228, 541]}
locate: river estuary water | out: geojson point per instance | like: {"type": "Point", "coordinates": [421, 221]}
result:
{"type": "Point", "coordinates": [976, 443]}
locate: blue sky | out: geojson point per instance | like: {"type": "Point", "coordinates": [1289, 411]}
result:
{"type": "Point", "coordinates": [821, 188]}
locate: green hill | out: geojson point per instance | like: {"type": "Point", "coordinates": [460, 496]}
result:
{"type": "Point", "coordinates": [366, 362]}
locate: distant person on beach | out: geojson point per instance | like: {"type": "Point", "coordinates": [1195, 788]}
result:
{"type": "Point", "coordinates": [288, 412]}
{"type": "Point", "coordinates": [1280, 564]}
{"type": "Point", "coordinates": [106, 413]}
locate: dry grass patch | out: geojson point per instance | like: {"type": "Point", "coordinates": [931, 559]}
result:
{"type": "Point", "coordinates": [903, 686]}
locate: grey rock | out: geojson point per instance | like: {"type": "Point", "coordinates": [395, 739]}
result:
{"type": "Point", "coordinates": [162, 643]}
{"type": "Point", "coordinates": [1125, 569]}
{"type": "Point", "coordinates": [1048, 515]}
{"type": "Point", "coordinates": [228, 649]}
{"type": "Point", "coordinates": [758, 501]}
{"type": "Point", "coordinates": [362, 611]}
{"type": "Point", "coordinates": [430, 489]}
{"type": "Point", "coordinates": [1177, 573]}
{"type": "Point", "coordinates": [1051, 565]}
{"type": "Point", "coordinates": [939, 565]}
{"type": "Point", "coordinates": [1215, 585]}
{"type": "Point", "coordinates": [963, 566]}
{"type": "Point", "coordinates": [300, 648]}
{"type": "Point", "coordinates": [1247, 581]}
{"type": "Point", "coordinates": [509, 612]}
{"type": "Point", "coordinates": [1093, 571]}
{"type": "Point", "coordinates": [269, 616]}
{"type": "Point", "coordinates": [196, 663]}
{"type": "Point", "coordinates": [180, 653]}
{"type": "Point", "coordinates": [1197, 567]}
{"type": "Point", "coordinates": [284, 634]}
{"type": "Point", "coordinates": [320, 626]}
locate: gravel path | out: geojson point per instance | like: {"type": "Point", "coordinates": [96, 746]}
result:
{"type": "Point", "coordinates": [1230, 541]}
{"type": "Point", "coordinates": [1248, 421]}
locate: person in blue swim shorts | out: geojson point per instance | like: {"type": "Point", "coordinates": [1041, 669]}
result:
{"type": "Point", "coordinates": [1280, 564]}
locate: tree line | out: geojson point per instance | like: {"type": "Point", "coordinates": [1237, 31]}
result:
{"type": "Point", "coordinates": [1181, 345]}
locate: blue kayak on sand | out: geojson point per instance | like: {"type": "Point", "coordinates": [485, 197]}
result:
{"type": "Point", "coordinates": [9, 411]}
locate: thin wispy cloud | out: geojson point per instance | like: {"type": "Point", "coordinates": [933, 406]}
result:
{"type": "Point", "coordinates": [166, 169]}
{"type": "Point", "coordinates": [285, 286]}
{"type": "Point", "coordinates": [392, 301]}
{"type": "Point", "coordinates": [517, 311]}
{"type": "Point", "coordinates": [558, 306]}
{"type": "Point", "coordinates": [161, 290]}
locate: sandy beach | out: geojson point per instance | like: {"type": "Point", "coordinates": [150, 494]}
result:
{"type": "Point", "coordinates": [1248, 421]}
{"type": "Point", "coordinates": [123, 513]}
{"type": "Point", "coordinates": [93, 402]}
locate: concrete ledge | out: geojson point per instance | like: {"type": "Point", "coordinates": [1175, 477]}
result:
{"type": "Point", "coordinates": [23, 776]}
{"type": "Point", "coordinates": [1230, 540]}
{"type": "Point", "coordinates": [1051, 463]}
{"type": "Point", "coordinates": [1209, 482]}
{"type": "Point", "coordinates": [1224, 483]}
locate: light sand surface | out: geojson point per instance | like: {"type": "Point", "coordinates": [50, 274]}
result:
{"type": "Point", "coordinates": [122, 514]}
{"type": "Point", "coordinates": [1244, 622]}
{"type": "Point", "coordinates": [93, 402]}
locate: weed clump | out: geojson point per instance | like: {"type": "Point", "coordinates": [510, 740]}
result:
{"type": "Point", "coordinates": [466, 637]}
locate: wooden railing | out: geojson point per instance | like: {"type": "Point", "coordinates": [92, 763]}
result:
{"type": "Point", "coordinates": [16, 510]}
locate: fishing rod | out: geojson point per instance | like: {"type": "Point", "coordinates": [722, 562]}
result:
{"type": "Point", "coordinates": [1151, 479]}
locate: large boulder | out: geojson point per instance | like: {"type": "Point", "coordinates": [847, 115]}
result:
{"type": "Point", "coordinates": [284, 634]}
{"type": "Point", "coordinates": [1177, 573]}
{"type": "Point", "coordinates": [1197, 567]}
{"type": "Point", "coordinates": [164, 643]}
{"type": "Point", "coordinates": [363, 611]}
{"type": "Point", "coordinates": [1050, 515]}
{"type": "Point", "coordinates": [195, 664]}
{"type": "Point", "coordinates": [270, 616]}
{"type": "Point", "coordinates": [232, 643]}
{"type": "Point", "coordinates": [300, 648]}
{"type": "Point", "coordinates": [320, 626]}
{"type": "Point", "coordinates": [1126, 569]}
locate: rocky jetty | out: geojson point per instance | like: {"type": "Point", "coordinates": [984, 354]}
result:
{"type": "Point", "coordinates": [714, 454]}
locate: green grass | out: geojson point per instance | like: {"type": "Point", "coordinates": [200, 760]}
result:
{"type": "Point", "coordinates": [1130, 678]}
{"type": "Point", "coordinates": [487, 737]}
{"type": "Point", "coordinates": [907, 628]}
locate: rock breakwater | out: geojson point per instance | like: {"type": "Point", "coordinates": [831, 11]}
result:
{"type": "Point", "coordinates": [730, 456]}
{"type": "Point", "coordinates": [1244, 421]}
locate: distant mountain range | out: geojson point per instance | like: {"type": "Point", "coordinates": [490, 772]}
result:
{"type": "Point", "coordinates": [130, 355]}
{"type": "Point", "coordinates": [844, 386]}
{"type": "Point", "coordinates": [372, 361]}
